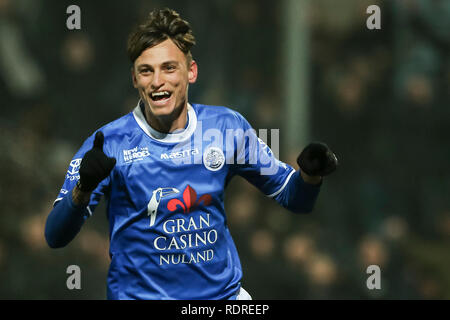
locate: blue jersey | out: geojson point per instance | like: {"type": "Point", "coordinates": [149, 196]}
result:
{"type": "Point", "coordinates": [168, 230]}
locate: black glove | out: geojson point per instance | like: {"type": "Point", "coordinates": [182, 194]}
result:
{"type": "Point", "coordinates": [95, 165]}
{"type": "Point", "coordinates": [317, 159]}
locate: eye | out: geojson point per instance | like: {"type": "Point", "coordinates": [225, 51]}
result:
{"type": "Point", "coordinates": [170, 67]}
{"type": "Point", "coordinates": [145, 71]}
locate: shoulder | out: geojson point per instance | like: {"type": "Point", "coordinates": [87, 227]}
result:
{"type": "Point", "coordinates": [220, 114]}
{"type": "Point", "coordinates": [120, 126]}
{"type": "Point", "coordinates": [114, 132]}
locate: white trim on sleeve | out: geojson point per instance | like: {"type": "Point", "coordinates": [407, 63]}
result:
{"type": "Point", "coordinates": [57, 199]}
{"type": "Point", "coordinates": [283, 186]}
{"type": "Point", "coordinates": [88, 209]}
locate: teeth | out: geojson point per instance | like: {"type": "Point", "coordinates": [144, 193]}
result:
{"type": "Point", "coordinates": [161, 93]}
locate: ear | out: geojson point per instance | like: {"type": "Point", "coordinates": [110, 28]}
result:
{"type": "Point", "coordinates": [133, 77]}
{"type": "Point", "coordinates": [193, 72]}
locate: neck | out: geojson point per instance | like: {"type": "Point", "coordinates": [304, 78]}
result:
{"type": "Point", "coordinates": [167, 123]}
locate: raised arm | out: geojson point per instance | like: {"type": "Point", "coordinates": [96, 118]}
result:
{"type": "Point", "coordinates": [68, 215]}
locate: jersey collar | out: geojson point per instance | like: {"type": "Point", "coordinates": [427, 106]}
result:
{"type": "Point", "coordinates": [177, 136]}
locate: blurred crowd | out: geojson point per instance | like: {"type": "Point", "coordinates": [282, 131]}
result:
{"type": "Point", "coordinates": [379, 99]}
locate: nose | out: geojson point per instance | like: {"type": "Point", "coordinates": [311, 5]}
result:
{"type": "Point", "coordinates": [157, 81]}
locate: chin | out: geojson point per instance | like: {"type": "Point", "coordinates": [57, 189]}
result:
{"type": "Point", "coordinates": [162, 111]}
{"type": "Point", "coordinates": [171, 108]}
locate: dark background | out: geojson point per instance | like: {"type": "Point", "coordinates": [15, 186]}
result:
{"type": "Point", "coordinates": [378, 98]}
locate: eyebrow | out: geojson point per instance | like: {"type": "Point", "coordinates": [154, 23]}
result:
{"type": "Point", "coordinates": [176, 63]}
{"type": "Point", "coordinates": [166, 63]}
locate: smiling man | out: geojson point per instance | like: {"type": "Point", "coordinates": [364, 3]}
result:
{"type": "Point", "coordinates": [163, 169]}
{"type": "Point", "coordinates": [161, 74]}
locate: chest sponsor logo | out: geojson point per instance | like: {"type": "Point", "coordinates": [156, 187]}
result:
{"type": "Point", "coordinates": [189, 202]}
{"type": "Point", "coordinates": [192, 237]}
{"type": "Point", "coordinates": [135, 154]}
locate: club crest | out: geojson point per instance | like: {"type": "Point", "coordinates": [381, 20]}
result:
{"type": "Point", "coordinates": [213, 159]}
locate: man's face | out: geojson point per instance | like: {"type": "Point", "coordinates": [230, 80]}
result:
{"type": "Point", "coordinates": [161, 75]}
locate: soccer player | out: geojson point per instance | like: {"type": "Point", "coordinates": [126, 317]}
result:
{"type": "Point", "coordinates": [163, 169]}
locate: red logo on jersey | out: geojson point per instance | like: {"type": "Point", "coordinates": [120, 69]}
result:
{"type": "Point", "coordinates": [190, 201]}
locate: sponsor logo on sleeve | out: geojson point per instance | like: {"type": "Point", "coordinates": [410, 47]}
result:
{"type": "Point", "coordinates": [74, 168]}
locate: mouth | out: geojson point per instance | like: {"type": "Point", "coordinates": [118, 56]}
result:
{"type": "Point", "coordinates": [160, 97]}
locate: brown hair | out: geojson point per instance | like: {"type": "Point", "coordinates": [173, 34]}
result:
{"type": "Point", "coordinates": [161, 25]}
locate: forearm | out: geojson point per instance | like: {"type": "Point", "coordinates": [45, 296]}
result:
{"type": "Point", "coordinates": [300, 196]}
{"type": "Point", "coordinates": [79, 197]}
{"type": "Point", "coordinates": [65, 220]}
